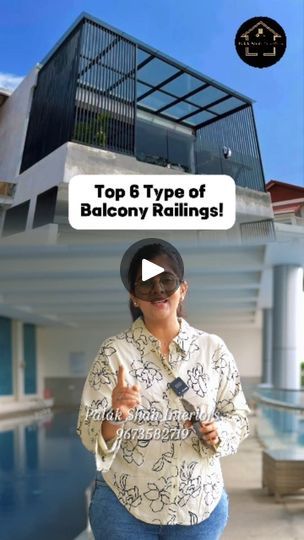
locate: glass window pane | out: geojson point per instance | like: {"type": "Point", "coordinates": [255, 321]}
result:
{"type": "Point", "coordinates": [110, 77]}
{"type": "Point", "coordinates": [199, 118]}
{"type": "Point", "coordinates": [226, 106]}
{"type": "Point", "coordinates": [100, 79]}
{"type": "Point", "coordinates": [156, 101]}
{"type": "Point", "coordinates": [45, 207]}
{"type": "Point", "coordinates": [30, 358]}
{"type": "Point", "coordinates": [141, 89]}
{"type": "Point", "coordinates": [141, 56]}
{"type": "Point", "coordinates": [6, 355]}
{"type": "Point", "coordinates": [124, 90]}
{"type": "Point", "coordinates": [96, 41]}
{"type": "Point", "coordinates": [15, 221]}
{"type": "Point", "coordinates": [110, 58]}
{"type": "Point", "coordinates": [182, 85]}
{"type": "Point", "coordinates": [151, 143]}
{"type": "Point", "coordinates": [161, 146]}
{"type": "Point", "coordinates": [179, 149]}
{"type": "Point", "coordinates": [209, 95]}
{"type": "Point", "coordinates": [208, 161]}
{"type": "Point", "coordinates": [155, 72]}
{"type": "Point", "coordinates": [181, 109]}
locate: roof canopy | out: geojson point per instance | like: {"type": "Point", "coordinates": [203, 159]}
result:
{"type": "Point", "coordinates": [168, 88]}
{"type": "Point", "coordinates": [173, 92]}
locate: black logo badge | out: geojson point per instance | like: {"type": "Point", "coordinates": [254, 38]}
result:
{"type": "Point", "coordinates": [260, 42]}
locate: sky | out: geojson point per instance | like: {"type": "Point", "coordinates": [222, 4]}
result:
{"type": "Point", "coordinates": [199, 33]}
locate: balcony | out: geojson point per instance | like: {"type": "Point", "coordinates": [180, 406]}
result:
{"type": "Point", "coordinates": [104, 89]}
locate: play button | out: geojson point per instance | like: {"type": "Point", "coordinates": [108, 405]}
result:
{"type": "Point", "coordinates": [137, 264]}
{"type": "Point", "coordinates": [149, 270]}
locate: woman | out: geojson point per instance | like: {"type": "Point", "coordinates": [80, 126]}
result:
{"type": "Point", "coordinates": [157, 477]}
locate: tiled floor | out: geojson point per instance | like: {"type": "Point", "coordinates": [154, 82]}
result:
{"type": "Point", "coordinates": [253, 513]}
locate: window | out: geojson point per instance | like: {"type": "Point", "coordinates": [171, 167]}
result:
{"type": "Point", "coordinates": [45, 207]}
{"type": "Point", "coordinates": [16, 218]}
{"type": "Point", "coordinates": [29, 351]}
{"type": "Point", "coordinates": [6, 363]}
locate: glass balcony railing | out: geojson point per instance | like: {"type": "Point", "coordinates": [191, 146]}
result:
{"type": "Point", "coordinates": [280, 418]}
{"type": "Point", "coordinates": [293, 398]}
{"type": "Point", "coordinates": [165, 147]}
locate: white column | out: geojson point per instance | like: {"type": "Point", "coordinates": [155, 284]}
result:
{"type": "Point", "coordinates": [267, 346]}
{"type": "Point", "coordinates": [287, 317]}
{"type": "Point", "coordinates": [18, 355]}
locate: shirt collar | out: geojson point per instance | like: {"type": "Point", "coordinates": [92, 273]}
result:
{"type": "Point", "coordinates": [150, 343]}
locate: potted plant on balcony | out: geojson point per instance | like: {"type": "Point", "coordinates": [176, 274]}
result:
{"type": "Point", "coordinates": [93, 131]}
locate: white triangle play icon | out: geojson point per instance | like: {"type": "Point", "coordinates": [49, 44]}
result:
{"type": "Point", "coordinates": [149, 269]}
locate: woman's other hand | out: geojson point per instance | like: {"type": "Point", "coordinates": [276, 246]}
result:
{"type": "Point", "coordinates": [209, 432]}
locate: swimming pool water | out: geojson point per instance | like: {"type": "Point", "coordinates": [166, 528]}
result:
{"type": "Point", "coordinates": [44, 471]}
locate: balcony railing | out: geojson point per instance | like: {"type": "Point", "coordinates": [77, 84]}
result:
{"type": "Point", "coordinates": [104, 89]}
{"type": "Point", "coordinates": [290, 219]}
{"type": "Point", "coordinates": [280, 418]}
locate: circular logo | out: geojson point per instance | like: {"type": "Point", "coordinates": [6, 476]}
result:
{"type": "Point", "coordinates": [152, 269]}
{"type": "Point", "coordinates": [260, 42]}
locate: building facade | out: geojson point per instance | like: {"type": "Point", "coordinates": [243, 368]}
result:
{"type": "Point", "coordinates": [287, 202]}
{"type": "Point", "coordinates": [102, 101]}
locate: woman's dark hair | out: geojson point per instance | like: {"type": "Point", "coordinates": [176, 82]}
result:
{"type": "Point", "coordinates": [150, 252]}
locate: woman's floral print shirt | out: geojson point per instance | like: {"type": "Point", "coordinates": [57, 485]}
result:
{"type": "Point", "coordinates": [158, 475]}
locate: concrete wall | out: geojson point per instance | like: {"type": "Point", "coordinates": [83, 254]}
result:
{"type": "Point", "coordinates": [14, 115]}
{"type": "Point", "coordinates": [245, 345]}
{"type": "Point", "coordinates": [82, 159]}
{"type": "Point", "coordinates": [40, 177]}
{"type": "Point", "coordinates": [58, 346]}
{"type": "Point", "coordinates": [71, 159]}
{"type": "Point", "coordinates": [253, 205]}
{"type": "Point", "coordinates": [48, 172]}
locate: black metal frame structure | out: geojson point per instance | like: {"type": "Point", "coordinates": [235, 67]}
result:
{"type": "Point", "coordinates": [100, 87]}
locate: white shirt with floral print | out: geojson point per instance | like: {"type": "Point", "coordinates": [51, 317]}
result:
{"type": "Point", "coordinates": [163, 479]}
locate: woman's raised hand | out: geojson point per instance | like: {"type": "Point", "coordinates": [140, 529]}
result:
{"type": "Point", "coordinates": [124, 398]}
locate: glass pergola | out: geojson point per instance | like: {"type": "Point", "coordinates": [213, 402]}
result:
{"type": "Point", "coordinates": [101, 87]}
{"type": "Point", "coordinates": [178, 96]}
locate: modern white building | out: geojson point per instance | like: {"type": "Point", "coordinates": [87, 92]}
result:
{"type": "Point", "coordinates": [103, 103]}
